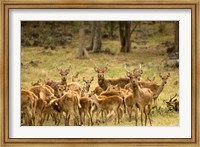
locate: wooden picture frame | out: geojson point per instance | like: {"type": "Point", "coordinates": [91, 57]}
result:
{"type": "Point", "coordinates": [4, 102]}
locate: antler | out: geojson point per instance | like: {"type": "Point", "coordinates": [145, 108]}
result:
{"type": "Point", "coordinates": [58, 68]}
{"type": "Point", "coordinates": [172, 97]}
{"type": "Point", "coordinates": [96, 68]}
{"type": "Point", "coordinates": [106, 67]}
{"type": "Point", "coordinates": [168, 75]}
{"type": "Point", "coordinates": [84, 79]}
{"type": "Point", "coordinates": [125, 67]}
{"type": "Point", "coordinates": [92, 78]}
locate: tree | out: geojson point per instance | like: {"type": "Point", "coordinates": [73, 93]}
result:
{"type": "Point", "coordinates": [96, 41]}
{"type": "Point", "coordinates": [125, 34]}
{"type": "Point", "coordinates": [111, 30]}
{"type": "Point", "coordinates": [82, 51]}
{"type": "Point", "coordinates": [125, 31]}
{"type": "Point", "coordinates": [176, 38]}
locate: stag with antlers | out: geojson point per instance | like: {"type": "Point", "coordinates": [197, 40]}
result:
{"type": "Point", "coordinates": [104, 83]}
{"type": "Point", "coordinates": [143, 98]}
{"type": "Point", "coordinates": [54, 84]}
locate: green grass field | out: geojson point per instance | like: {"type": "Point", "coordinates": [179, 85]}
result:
{"type": "Point", "coordinates": [151, 57]}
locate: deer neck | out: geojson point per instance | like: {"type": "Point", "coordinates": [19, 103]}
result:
{"type": "Point", "coordinates": [135, 90]}
{"type": "Point", "coordinates": [95, 100]}
{"type": "Point", "coordinates": [102, 83]}
{"type": "Point", "coordinates": [160, 89]}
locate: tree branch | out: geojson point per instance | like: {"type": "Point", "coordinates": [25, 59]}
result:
{"type": "Point", "coordinates": [134, 27]}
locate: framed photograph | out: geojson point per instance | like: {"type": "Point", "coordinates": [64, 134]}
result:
{"type": "Point", "coordinates": [100, 73]}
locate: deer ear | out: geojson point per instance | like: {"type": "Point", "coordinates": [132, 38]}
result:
{"type": "Point", "coordinates": [118, 87]}
{"type": "Point", "coordinates": [168, 74]}
{"type": "Point", "coordinates": [105, 68]}
{"type": "Point", "coordinates": [92, 78]}
{"type": "Point", "coordinates": [84, 79]}
{"type": "Point", "coordinates": [128, 74]}
{"type": "Point", "coordinates": [160, 75]}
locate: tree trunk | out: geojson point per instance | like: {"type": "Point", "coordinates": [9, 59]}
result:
{"type": "Point", "coordinates": [97, 38]}
{"type": "Point", "coordinates": [125, 36]}
{"type": "Point", "coordinates": [90, 47]}
{"type": "Point", "coordinates": [111, 31]}
{"type": "Point", "coordinates": [176, 38]}
{"type": "Point", "coordinates": [82, 51]}
{"type": "Point", "coordinates": [96, 42]}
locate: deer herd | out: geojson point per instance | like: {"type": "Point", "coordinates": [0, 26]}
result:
{"type": "Point", "coordinates": [77, 104]}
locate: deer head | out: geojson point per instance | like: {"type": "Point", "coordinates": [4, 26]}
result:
{"type": "Point", "coordinates": [137, 72]}
{"type": "Point", "coordinates": [150, 80]}
{"type": "Point", "coordinates": [62, 89]}
{"type": "Point", "coordinates": [75, 78]}
{"type": "Point", "coordinates": [87, 83]}
{"type": "Point", "coordinates": [64, 72]}
{"type": "Point", "coordinates": [39, 82]}
{"type": "Point", "coordinates": [113, 88]}
{"type": "Point", "coordinates": [100, 71]}
{"type": "Point", "coordinates": [164, 78]}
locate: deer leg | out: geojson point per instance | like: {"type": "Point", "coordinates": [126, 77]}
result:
{"type": "Point", "coordinates": [149, 114]}
{"type": "Point", "coordinates": [136, 114]}
{"type": "Point", "coordinates": [91, 117]}
{"type": "Point", "coordinates": [84, 118]}
{"type": "Point", "coordinates": [145, 112]}
{"type": "Point", "coordinates": [142, 111]}
{"type": "Point", "coordinates": [156, 103]}
{"type": "Point", "coordinates": [119, 114]}
{"type": "Point", "coordinates": [102, 117]}
{"type": "Point", "coordinates": [129, 109]}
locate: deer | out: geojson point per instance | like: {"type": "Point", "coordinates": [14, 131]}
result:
{"type": "Point", "coordinates": [69, 104]}
{"type": "Point", "coordinates": [28, 107]}
{"type": "Point", "coordinates": [87, 83]}
{"type": "Point", "coordinates": [85, 110]}
{"type": "Point", "coordinates": [75, 78]}
{"type": "Point", "coordinates": [108, 104]}
{"type": "Point", "coordinates": [151, 80]}
{"type": "Point", "coordinates": [136, 72]}
{"type": "Point", "coordinates": [104, 83]}
{"type": "Point", "coordinates": [143, 98]}
{"type": "Point", "coordinates": [39, 83]}
{"type": "Point", "coordinates": [98, 90]}
{"type": "Point", "coordinates": [43, 93]}
{"type": "Point", "coordinates": [54, 84]}
{"type": "Point", "coordinates": [155, 87]}
{"type": "Point", "coordinates": [173, 103]}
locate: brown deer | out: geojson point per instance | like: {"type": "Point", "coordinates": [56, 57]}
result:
{"type": "Point", "coordinates": [28, 107]}
{"type": "Point", "coordinates": [39, 83]}
{"type": "Point", "coordinates": [69, 104]}
{"type": "Point", "coordinates": [85, 110]}
{"type": "Point", "coordinates": [98, 90]}
{"type": "Point", "coordinates": [42, 92]}
{"type": "Point", "coordinates": [54, 84]}
{"type": "Point", "coordinates": [155, 87]}
{"type": "Point", "coordinates": [137, 72]}
{"type": "Point", "coordinates": [108, 104]}
{"type": "Point", "coordinates": [75, 78]}
{"type": "Point", "coordinates": [143, 97]}
{"type": "Point", "coordinates": [87, 83]}
{"type": "Point", "coordinates": [173, 103]}
{"type": "Point", "coordinates": [104, 83]}
{"type": "Point", "coordinates": [151, 80]}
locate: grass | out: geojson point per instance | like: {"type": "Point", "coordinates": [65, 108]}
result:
{"type": "Point", "coordinates": [47, 60]}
